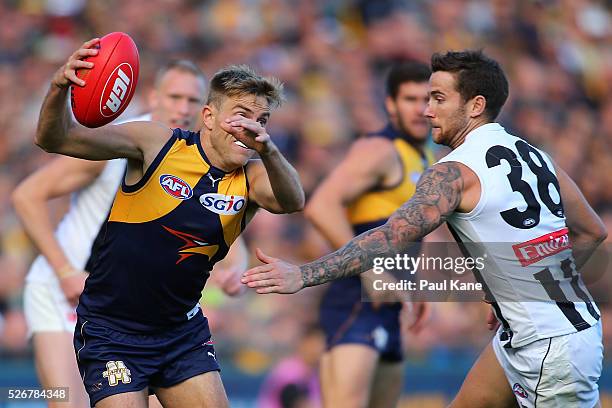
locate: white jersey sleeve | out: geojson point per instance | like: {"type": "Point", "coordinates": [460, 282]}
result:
{"type": "Point", "coordinates": [519, 224]}
{"type": "Point", "coordinates": [88, 210]}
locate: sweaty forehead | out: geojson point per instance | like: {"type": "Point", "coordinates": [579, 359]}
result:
{"type": "Point", "coordinates": [257, 104]}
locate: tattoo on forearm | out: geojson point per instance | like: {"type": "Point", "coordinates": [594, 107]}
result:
{"type": "Point", "coordinates": [437, 195]}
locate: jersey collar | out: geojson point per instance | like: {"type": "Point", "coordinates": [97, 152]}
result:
{"type": "Point", "coordinates": [484, 129]}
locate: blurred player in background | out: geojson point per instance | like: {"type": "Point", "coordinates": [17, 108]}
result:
{"type": "Point", "coordinates": [57, 276]}
{"type": "Point", "coordinates": [185, 198]}
{"type": "Point", "coordinates": [363, 363]}
{"type": "Point", "coordinates": [548, 350]}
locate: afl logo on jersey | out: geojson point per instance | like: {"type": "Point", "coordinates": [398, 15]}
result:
{"type": "Point", "coordinates": [176, 187]}
{"type": "Point", "coordinates": [222, 204]}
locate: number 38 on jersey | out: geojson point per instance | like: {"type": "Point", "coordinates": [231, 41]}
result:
{"type": "Point", "coordinates": [547, 184]}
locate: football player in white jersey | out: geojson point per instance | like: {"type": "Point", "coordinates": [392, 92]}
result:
{"type": "Point", "coordinates": [56, 278]}
{"type": "Point", "coordinates": [548, 351]}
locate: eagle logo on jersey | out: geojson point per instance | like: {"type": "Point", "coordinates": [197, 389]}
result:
{"type": "Point", "coordinates": [193, 246]}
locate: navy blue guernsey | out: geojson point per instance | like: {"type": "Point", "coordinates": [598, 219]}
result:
{"type": "Point", "coordinates": [162, 237]}
{"type": "Point", "coordinates": [374, 207]}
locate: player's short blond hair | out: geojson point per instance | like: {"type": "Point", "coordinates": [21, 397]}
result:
{"type": "Point", "coordinates": [236, 80]}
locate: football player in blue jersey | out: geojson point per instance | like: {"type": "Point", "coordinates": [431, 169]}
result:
{"type": "Point", "coordinates": [363, 363]}
{"type": "Point", "coordinates": [56, 278]}
{"type": "Point", "coordinates": [185, 198]}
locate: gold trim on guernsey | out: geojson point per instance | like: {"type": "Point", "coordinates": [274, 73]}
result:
{"type": "Point", "coordinates": [151, 202]}
{"type": "Point", "coordinates": [233, 186]}
{"type": "Point", "coordinates": [380, 204]}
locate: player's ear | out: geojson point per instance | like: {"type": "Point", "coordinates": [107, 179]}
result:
{"type": "Point", "coordinates": [478, 105]}
{"type": "Point", "coordinates": [208, 116]}
{"type": "Point", "coordinates": [390, 106]}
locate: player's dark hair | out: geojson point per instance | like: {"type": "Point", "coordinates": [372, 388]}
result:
{"type": "Point", "coordinates": [181, 65]}
{"type": "Point", "coordinates": [410, 71]}
{"type": "Point", "coordinates": [237, 80]}
{"type": "Point", "coordinates": [475, 74]}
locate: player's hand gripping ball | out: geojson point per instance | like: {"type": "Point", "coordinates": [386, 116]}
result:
{"type": "Point", "coordinates": [110, 84]}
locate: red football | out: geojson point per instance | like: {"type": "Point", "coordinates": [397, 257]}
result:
{"type": "Point", "coordinates": [110, 84]}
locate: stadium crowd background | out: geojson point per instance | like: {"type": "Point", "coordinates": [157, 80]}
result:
{"type": "Point", "coordinates": [332, 57]}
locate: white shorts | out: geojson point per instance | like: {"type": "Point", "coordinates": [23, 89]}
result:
{"type": "Point", "coordinates": [556, 372]}
{"type": "Point", "coordinates": [46, 309]}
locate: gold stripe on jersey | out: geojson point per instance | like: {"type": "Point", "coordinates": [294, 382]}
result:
{"type": "Point", "coordinates": [151, 201]}
{"type": "Point", "coordinates": [233, 186]}
{"type": "Point", "coordinates": [380, 204]}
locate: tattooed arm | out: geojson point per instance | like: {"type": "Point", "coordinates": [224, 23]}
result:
{"type": "Point", "coordinates": [438, 194]}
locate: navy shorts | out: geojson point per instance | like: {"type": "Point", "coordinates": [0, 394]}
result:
{"type": "Point", "coordinates": [360, 323]}
{"type": "Point", "coordinates": [113, 362]}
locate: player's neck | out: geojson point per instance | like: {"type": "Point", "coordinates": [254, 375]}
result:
{"type": "Point", "coordinates": [459, 138]}
{"type": "Point", "coordinates": [214, 157]}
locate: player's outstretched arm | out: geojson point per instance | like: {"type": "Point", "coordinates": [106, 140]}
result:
{"type": "Point", "coordinates": [438, 194]}
{"type": "Point", "coordinates": [586, 229]}
{"type": "Point", "coordinates": [58, 178]}
{"type": "Point", "coordinates": [58, 133]}
{"type": "Point", "coordinates": [273, 183]}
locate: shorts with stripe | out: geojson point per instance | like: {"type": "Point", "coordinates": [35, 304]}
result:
{"type": "Point", "coordinates": [555, 372]}
{"type": "Point", "coordinates": [113, 362]}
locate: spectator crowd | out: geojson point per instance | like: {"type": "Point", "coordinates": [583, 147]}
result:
{"type": "Point", "coordinates": [332, 57]}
